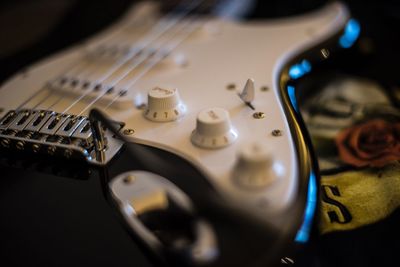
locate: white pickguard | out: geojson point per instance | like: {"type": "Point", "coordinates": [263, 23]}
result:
{"type": "Point", "coordinates": [219, 53]}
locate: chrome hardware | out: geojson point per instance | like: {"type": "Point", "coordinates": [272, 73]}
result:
{"type": "Point", "coordinates": [69, 126]}
{"type": "Point", "coordinates": [84, 132]}
{"type": "Point", "coordinates": [23, 118]}
{"type": "Point", "coordinates": [39, 119]}
{"type": "Point", "coordinates": [20, 145]}
{"type": "Point", "coordinates": [276, 132]}
{"type": "Point", "coordinates": [56, 134]}
{"type": "Point", "coordinates": [258, 115]}
{"type": "Point", "coordinates": [7, 119]}
{"type": "Point", "coordinates": [54, 123]}
{"type": "Point", "coordinates": [128, 131]}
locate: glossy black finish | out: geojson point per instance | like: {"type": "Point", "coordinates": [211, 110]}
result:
{"type": "Point", "coordinates": [52, 217]}
{"type": "Point", "coordinates": [51, 220]}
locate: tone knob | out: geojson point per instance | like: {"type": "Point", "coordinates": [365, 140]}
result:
{"type": "Point", "coordinates": [253, 169]}
{"type": "Point", "coordinates": [164, 105]}
{"type": "Point", "coordinates": [213, 129]}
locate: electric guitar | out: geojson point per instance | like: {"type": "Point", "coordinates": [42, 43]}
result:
{"type": "Point", "coordinates": [183, 125]}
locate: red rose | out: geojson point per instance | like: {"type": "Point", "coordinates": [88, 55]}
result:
{"type": "Point", "coordinates": [373, 143]}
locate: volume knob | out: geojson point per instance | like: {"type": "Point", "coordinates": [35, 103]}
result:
{"type": "Point", "coordinates": [253, 169]}
{"type": "Point", "coordinates": [164, 105]}
{"type": "Point", "coordinates": [213, 129]}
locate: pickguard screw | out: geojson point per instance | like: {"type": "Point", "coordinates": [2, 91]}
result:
{"type": "Point", "coordinates": [129, 179]}
{"type": "Point", "coordinates": [129, 131]}
{"type": "Point", "coordinates": [277, 132]}
{"type": "Point", "coordinates": [325, 52]}
{"type": "Point", "coordinates": [259, 115]}
{"type": "Point", "coordinates": [264, 88]}
{"type": "Point", "coordinates": [231, 86]}
{"type": "Point", "coordinates": [287, 261]}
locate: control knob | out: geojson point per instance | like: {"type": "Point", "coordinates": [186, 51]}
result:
{"type": "Point", "coordinates": [213, 129]}
{"type": "Point", "coordinates": [253, 169]}
{"type": "Point", "coordinates": [164, 105]}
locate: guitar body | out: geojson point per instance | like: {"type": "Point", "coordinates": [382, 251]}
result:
{"type": "Point", "coordinates": [56, 208]}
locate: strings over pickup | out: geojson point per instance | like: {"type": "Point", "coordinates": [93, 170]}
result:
{"type": "Point", "coordinates": [52, 133]}
{"type": "Point", "coordinates": [86, 90]}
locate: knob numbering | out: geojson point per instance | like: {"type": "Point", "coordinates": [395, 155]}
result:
{"type": "Point", "coordinates": [164, 105]}
{"type": "Point", "coordinates": [213, 129]}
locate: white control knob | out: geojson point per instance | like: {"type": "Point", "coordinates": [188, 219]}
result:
{"type": "Point", "coordinates": [213, 129]}
{"type": "Point", "coordinates": [253, 169]}
{"type": "Point", "coordinates": [164, 105]}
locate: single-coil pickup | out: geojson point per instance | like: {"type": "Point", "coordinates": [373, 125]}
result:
{"type": "Point", "coordinates": [112, 52]}
{"type": "Point", "coordinates": [89, 91]}
{"type": "Point", "coordinates": [125, 53]}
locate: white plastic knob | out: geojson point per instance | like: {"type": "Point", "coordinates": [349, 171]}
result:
{"type": "Point", "coordinates": [213, 129]}
{"type": "Point", "coordinates": [253, 169]}
{"type": "Point", "coordinates": [164, 105]}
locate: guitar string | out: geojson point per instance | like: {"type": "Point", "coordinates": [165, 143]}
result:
{"type": "Point", "coordinates": [71, 67]}
{"type": "Point", "coordinates": [88, 57]}
{"type": "Point", "coordinates": [138, 50]}
{"type": "Point", "coordinates": [161, 54]}
{"type": "Point", "coordinates": [177, 19]}
{"type": "Point", "coordinates": [160, 28]}
{"type": "Point", "coordinates": [151, 65]}
{"type": "Point", "coordinates": [145, 56]}
{"type": "Point", "coordinates": [127, 71]}
{"type": "Point", "coordinates": [47, 86]}
{"type": "Point", "coordinates": [66, 76]}
{"type": "Point", "coordinates": [63, 78]}
{"type": "Point", "coordinates": [107, 50]}
{"type": "Point", "coordinates": [142, 58]}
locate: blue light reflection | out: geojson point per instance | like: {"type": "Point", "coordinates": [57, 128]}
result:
{"type": "Point", "coordinates": [292, 97]}
{"type": "Point", "coordinates": [304, 233]}
{"type": "Point", "coordinates": [351, 33]}
{"type": "Point", "coordinates": [300, 69]}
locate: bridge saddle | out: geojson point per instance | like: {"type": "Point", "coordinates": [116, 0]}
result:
{"type": "Point", "coordinates": [52, 133]}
